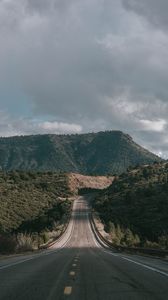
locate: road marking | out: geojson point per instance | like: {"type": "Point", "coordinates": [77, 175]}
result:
{"type": "Point", "coordinates": [145, 266]}
{"type": "Point", "coordinates": [49, 250]}
{"type": "Point", "coordinates": [130, 260]}
{"type": "Point", "coordinates": [74, 265]}
{"type": "Point", "coordinates": [30, 258]}
{"type": "Point", "coordinates": [15, 263]}
{"type": "Point", "coordinates": [72, 273]}
{"type": "Point", "coordinates": [68, 290]}
{"type": "Point", "coordinates": [111, 253]}
{"type": "Point", "coordinates": [97, 244]}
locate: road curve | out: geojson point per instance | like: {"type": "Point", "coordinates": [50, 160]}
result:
{"type": "Point", "coordinates": [77, 267]}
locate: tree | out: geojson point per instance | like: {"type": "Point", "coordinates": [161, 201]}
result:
{"type": "Point", "coordinates": [129, 238]}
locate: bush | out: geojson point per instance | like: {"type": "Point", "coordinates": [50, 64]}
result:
{"type": "Point", "coordinates": [25, 242]}
{"type": "Point", "coordinates": [137, 200]}
{"type": "Point", "coordinates": [45, 237]}
{"type": "Point", "coordinates": [121, 236]}
{"type": "Point", "coordinates": [7, 244]}
{"type": "Point", "coordinates": [152, 245]}
{"type": "Point", "coordinates": [163, 241]}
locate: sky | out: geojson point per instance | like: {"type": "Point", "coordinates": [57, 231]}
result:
{"type": "Point", "coordinates": [74, 66]}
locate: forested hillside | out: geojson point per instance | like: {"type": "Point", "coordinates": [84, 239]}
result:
{"type": "Point", "coordinates": [135, 207]}
{"type": "Point", "coordinates": [94, 153]}
{"type": "Point", "coordinates": [31, 197]}
{"type": "Point", "coordinates": [31, 204]}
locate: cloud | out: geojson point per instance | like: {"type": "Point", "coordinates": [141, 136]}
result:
{"type": "Point", "coordinates": [158, 125]}
{"type": "Point", "coordinates": [153, 10]}
{"type": "Point", "coordinates": [11, 126]}
{"type": "Point", "coordinates": [58, 127]}
{"type": "Point", "coordinates": [72, 66]}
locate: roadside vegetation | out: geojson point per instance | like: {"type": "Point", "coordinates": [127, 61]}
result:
{"type": "Point", "coordinates": [33, 208]}
{"type": "Point", "coordinates": [134, 208]}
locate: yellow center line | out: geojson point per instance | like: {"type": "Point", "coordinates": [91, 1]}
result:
{"type": "Point", "coordinates": [72, 273]}
{"type": "Point", "coordinates": [74, 265]}
{"type": "Point", "coordinates": [67, 290]}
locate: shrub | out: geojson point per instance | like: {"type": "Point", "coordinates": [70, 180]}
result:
{"type": "Point", "coordinates": [163, 241]}
{"type": "Point", "coordinates": [7, 244]}
{"type": "Point", "coordinates": [149, 244]}
{"type": "Point", "coordinates": [25, 242]}
{"type": "Point", "coordinates": [121, 236]}
{"type": "Point", "coordinates": [45, 236]}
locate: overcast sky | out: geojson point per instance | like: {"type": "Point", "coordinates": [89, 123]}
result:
{"type": "Point", "coordinates": [85, 65]}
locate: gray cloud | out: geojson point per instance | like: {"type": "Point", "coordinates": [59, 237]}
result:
{"type": "Point", "coordinates": [92, 64]}
{"type": "Point", "coordinates": [25, 126]}
{"type": "Point", "coordinates": [153, 10]}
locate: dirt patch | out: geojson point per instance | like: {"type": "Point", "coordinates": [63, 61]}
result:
{"type": "Point", "coordinates": [78, 181]}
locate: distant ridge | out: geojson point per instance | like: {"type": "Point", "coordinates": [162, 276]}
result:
{"type": "Point", "coordinates": [92, 153]}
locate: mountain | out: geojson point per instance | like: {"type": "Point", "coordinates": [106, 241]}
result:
{"type": "Point", "coordinates": [93, 153]}
{"type": "Point", "coordinates": [138, 201]}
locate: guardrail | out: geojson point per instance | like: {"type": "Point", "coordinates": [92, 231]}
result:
{"type": "Point", "coordinates": [132, 250]}
{"type": "Point", "coordinates": [59, 237]}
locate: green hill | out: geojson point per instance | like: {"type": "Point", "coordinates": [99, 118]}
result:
{"type": "Point", "coordinates": [94, 153]}
{"type": "Point", "coordinates": [31, 201]}
{"type": "Point", "coordinates": [34, 208]}
{"type": "Point", "coordinates": [137, 201]}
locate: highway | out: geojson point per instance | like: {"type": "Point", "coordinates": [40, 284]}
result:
{"type": "Point", "coordinates": [78, 267]}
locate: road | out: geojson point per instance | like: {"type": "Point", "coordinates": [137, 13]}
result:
{"type": "Point", "coordinates": [77, 267]}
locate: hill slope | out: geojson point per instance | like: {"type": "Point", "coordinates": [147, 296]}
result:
{"type": "Point", "coordinates": [30, 196]}
{"type": "Point", "coordinates": [94, 153]}
{"type": "Point", "coordinates": [78, 182]}
{"type": "Point", "coordinates": [138, 200]}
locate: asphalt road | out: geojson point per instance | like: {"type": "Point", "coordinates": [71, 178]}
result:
{"type": "Point", "coordinates": [77, 267]}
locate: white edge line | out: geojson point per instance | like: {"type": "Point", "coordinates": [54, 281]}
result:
{"type": "Point", "coordinates": [98, 244]}
{"type": "Point", "coordinates": [40, 255]}
{"type": "Point", "coordinates": [145, 266]}
{"type": "Point", "coordinates": [125, 258]}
